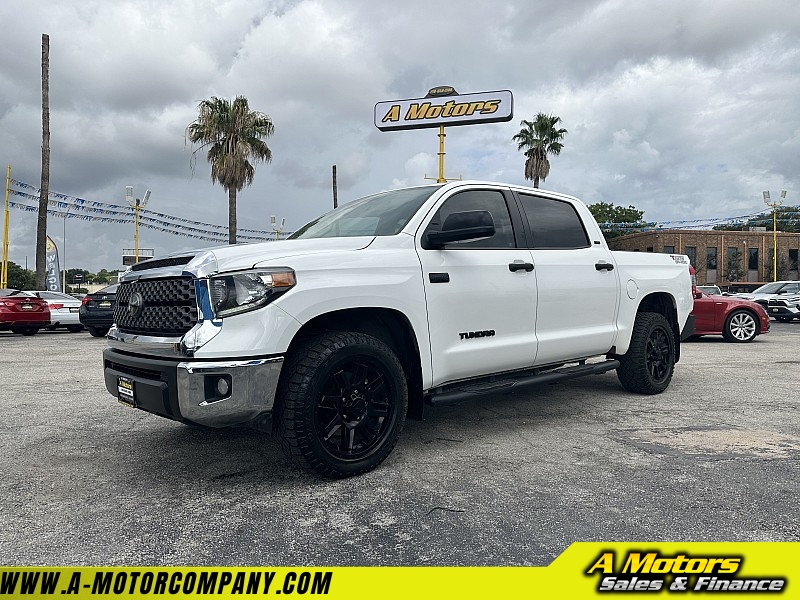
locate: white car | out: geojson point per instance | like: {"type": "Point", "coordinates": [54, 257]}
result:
{"type": "Point", "coordinates": [768, 291]}
{"type": "Point", "coordinates": [711, 290]}
{"type": "Point", "coordinates": [63, 310]}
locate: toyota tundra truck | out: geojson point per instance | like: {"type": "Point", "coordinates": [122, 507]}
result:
{"type": "Point", "coordinates": [419, 296]}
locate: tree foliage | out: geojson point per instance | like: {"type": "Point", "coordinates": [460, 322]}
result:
{"type": "Point", "coordinates": [233, 136]}
{"type": "Point", "coordinates": [608, 215]}
{"type": "Point", "coordinates": [19, 278]}
{"type": "Point", "coordinates": [538, 138]}
{"type": "Point", "coordinates": [733, 265]}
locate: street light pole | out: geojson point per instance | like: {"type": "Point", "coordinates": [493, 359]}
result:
{"type": "Point", "coordinates": [774, 206]}
{"type": "Point", "coordinates": [140, 203]}
{"type": "Point", "coordinates": [278, 230]}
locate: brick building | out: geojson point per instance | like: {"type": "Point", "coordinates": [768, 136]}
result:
{"type": "Point", "coordinates": [730, 259]}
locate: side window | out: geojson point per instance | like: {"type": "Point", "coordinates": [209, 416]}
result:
{"type": "Point", "coordinates": [553, 223]}
{"type": "Point", "coordinates": [490, 200]}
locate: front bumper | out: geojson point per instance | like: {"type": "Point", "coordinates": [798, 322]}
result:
{"type": "Point", "coordinates": [188, 390]}
{"type": "Point", "coordinates": [784, 311]}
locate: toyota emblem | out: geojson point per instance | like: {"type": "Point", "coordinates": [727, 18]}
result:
{"type": "Point", "coordinates": [135, 305]}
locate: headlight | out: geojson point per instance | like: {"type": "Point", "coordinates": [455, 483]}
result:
{"type": "Point", "coordinates": [240, 292]}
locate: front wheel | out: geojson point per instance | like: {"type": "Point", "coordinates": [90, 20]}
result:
{"type": "Point", "coordinates": [342, 404]}
{"type": "Point", "coordinates": [25, 330]}
{"type": "Point", "coordinates": [98, 331]}
{"type": "Point", "coordinates": [647, 366]}
{"type": "Point", "coordinates": [740, 327]}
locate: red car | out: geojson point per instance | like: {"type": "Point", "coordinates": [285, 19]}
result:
{"type": "Point", "coordinates": [736, 319]}
{"type": "Point", "coordinates": [22, 312]}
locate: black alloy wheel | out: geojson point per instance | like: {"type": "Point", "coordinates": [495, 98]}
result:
{"type": "Point", "coordinates": [648, 365]}
{"type": "Point", "coordinates": [659, 355]}
{"type": "Point", "coordinates": [354, 410]}
{"type": "Point", "coordinates": [341, 403]}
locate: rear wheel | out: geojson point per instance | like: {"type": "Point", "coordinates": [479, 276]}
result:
{"type": "Point", "coordinates": [647, 366]}
{"type": "Point", "coordinates": [25, 330]}
{"type": "Point", "coordinates": [342, 404]}
{"type": "Point", "coordinates": [98, 331]}
{"type": "Point", "coordinates": [740, 327]}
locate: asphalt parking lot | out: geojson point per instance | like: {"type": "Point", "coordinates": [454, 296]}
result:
{"type": "Point", "coordinates": [506, 480]}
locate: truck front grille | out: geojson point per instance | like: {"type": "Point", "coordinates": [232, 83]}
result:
{"type": "Point", "coordinates": [163, 307]}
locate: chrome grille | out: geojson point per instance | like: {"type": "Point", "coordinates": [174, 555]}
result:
{"type": "Point", "coordinates": [168, 307]}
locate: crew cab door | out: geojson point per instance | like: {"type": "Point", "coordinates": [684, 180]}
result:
{"type": "Point", "coordinates": [480, 294]}
{"type": "Point", "coordinates": [576, 279]}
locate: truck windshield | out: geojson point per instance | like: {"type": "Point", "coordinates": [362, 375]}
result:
{"type": "Point", "coordinates": [381, 214]}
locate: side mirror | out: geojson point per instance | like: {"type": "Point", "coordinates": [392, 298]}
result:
{"type": "Point", "coordinates": [459, 227]}
{"type": "Point", "coordinates": [698, 294]}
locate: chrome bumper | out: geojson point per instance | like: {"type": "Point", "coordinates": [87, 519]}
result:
{"type": "Point", "coordinates": [253, 384]}
{"type": "Point", "coordinates": [190, 391]}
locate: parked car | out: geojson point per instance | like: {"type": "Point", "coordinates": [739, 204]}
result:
{"type": "Point", "coordinates": [63, 310]}
{"type": "Point", "coordinates": [22, 312]}
{"type": "Point", "coordinates": [736, 319]}
{"type": "Point", "coordinates": [768, 291]}
{"type": "Point", "coordinates": [784, 309]}
{"type": "Point", "coordinates": [711, 290]}
{"type": "Point", "coordinates": [97, 310]}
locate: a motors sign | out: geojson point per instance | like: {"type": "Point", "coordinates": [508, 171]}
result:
{"type": "Point", "coordinates": [434, 111]}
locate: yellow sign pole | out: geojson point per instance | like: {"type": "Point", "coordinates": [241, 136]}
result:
{"type": "Point", "coordinates": [4, 273]}
{"type": "Point", "coordinates": [441, 155]}
{"type": "Point", "coordinates": [441, 178]}
{"type": "Point", "coordinates": [774, 205]}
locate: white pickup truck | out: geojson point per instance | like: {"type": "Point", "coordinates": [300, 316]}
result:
{"type": "Point", "coordinates": [430, 294]}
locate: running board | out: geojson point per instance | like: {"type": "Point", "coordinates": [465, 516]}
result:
{"type": "Point", "coordinates": [470, 390]}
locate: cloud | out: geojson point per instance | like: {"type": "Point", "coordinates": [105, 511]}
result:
{"type": "Point", "coordinates": [683, 109]}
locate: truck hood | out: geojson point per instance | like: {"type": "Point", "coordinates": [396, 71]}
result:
{"type": "Point", "coordinates": [246, 256]}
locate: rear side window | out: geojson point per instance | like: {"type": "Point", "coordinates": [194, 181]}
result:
{"type": "Point", "coordinates": [490, 200]}
{"type": "Point", "coordinates": [553, 223]}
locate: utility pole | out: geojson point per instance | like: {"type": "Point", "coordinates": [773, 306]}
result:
{"type": "Point", "coordinates": [4, 271]}
{"type": "Point", "coordinates": [44, 192]}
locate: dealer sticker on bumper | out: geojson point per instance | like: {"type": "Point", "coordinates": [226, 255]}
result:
{"type": "Point", "coordinates": [125, 391]}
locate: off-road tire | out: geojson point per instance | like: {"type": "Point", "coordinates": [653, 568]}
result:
{"type": "Point", "coordinates": [741, 327]}
{"type": "Point", "coordinates": [341, 404]}
{"type": "Point", "coordinates": [647, 366]}
{"type": "Point", "coordinates": [98, 331]}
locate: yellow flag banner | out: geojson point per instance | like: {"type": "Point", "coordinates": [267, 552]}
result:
{"type": "Point", "coordinates": [584, 570]}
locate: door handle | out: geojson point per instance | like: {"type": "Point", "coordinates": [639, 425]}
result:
{"type": "Point", "coordinates": [520, 266]}
{"type": "Point", "coordinates": [604, 266]}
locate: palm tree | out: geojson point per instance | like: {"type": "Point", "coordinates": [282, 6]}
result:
{"type": "Point", "coordinates": [234, 135]}
{"type": "Point", "coordinates": [539, 138]}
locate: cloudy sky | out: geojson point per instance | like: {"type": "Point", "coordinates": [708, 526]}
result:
{"type": "Point", "coordinates": [686, 109]}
